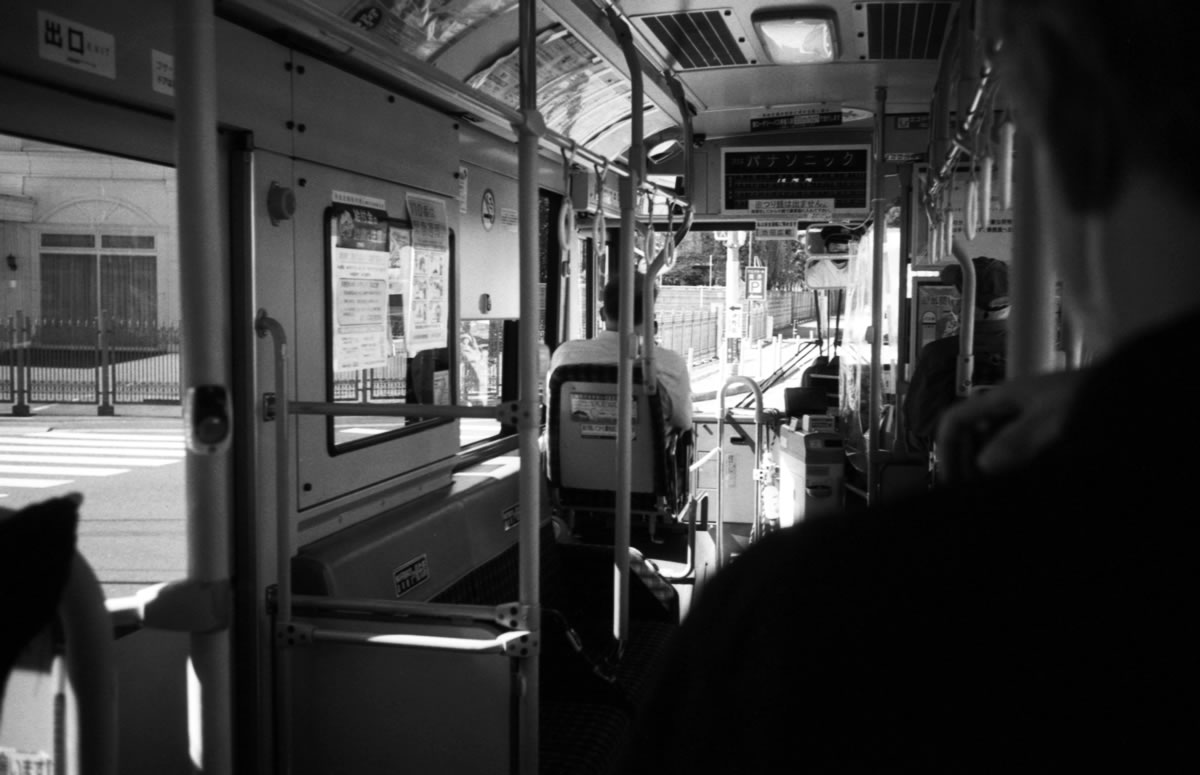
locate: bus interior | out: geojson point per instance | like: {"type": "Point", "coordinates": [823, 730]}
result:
{"type": "Point", "coordinates": [398, 541]}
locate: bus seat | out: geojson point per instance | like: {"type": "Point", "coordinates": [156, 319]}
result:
{"type": "Point", "coordinates": [56, 606]}
{"type": "Point", "coordinates": [581, 438]}
{"type": "Point", "coordinates": [824, 373]}
{"type": "Point", "coordinates": [585, 718]}
{"type": "Point", "coordinates": [37, 544]}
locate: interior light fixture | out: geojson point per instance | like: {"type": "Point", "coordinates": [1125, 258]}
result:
{"type": "Point", "coordinates": [797, 35]}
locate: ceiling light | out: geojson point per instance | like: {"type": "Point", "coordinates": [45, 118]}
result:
{"type": "Point", "coordinates": [797, 36]}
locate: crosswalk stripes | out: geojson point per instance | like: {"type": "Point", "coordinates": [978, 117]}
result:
{"type": "Point", "coordinates": [51, 458]}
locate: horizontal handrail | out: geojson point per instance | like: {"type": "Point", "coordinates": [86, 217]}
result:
{"type": "Point", "coordinates": [177, 606]}
{"type": "Point", "coordinates": [506, 644]}
{"type": "Point", "coordinates": [505, 615]}
{"type": "Point", "coordinates": [709, 456]}
{"type": "Point", "coordinates": [395, 410]}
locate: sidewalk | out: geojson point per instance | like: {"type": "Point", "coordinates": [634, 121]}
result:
{"type": "Point", "coordinates": [46, 415]}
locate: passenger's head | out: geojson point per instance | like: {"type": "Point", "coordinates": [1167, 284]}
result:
{"type": "Point", "coordinates": [991, 282]}
{"type": "Point", "coordinates": [1095, 97]}
{"type": "Point", "coordinates": [612, 301]}
{"type": "Point", "coordinates": [1101, 88]}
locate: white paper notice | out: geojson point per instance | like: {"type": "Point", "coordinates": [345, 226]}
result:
{"type": "Point", "coordinates": [427, 317]}
{"type": "Point", "coordinates": [361, 337]}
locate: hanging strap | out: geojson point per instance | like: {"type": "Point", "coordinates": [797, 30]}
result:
{"type": "Point", "coordinates": [653, 263]}
{"type": "Point", "coordinates": [566, 215]}
{"type": "Point", "coordinates": [566, 238]}
{"type": "Point", "coordinates": [599, 227]}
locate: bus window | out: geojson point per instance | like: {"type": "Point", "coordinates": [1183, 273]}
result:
{"type": "Point", "coordinates": [480, 357]}
{"type": "Point", "coordinates": [483, 343]}
{"type": "Point", "coordinates": [390, 318]}
{"type": "Point", "coordinates": [89, 354]}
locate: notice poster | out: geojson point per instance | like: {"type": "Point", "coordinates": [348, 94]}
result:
{"type": "Point", "coordinates": [776, 230]}
{"type": "Point", "coordinates": [359, 282]}
{"type": "Point", "coordinates": [427, 315]}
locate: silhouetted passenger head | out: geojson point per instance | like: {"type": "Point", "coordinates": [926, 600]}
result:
{"type": "Point", "coordinates": [991, 282]}
{"type": "Point", "coordinates": [612, 300]}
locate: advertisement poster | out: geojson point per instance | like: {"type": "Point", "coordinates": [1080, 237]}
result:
{"type": "Point", "coordinates": [359, 261]}
{"type": "Point", "coordinates": [578, 94]}
{"type": "Point", "coordinates": [420, 27]}
{"type": "Point", "coordinates": [427, 315]}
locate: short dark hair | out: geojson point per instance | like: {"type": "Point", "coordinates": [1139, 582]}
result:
{"type": "Point", "coordinates": [612, 298]}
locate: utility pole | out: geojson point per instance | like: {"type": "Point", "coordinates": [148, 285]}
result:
{"type": "Point", "coordinates": [731, 352]}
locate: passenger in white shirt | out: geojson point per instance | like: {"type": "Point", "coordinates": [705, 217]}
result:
{"type": "Point", "coordinates": [670, 367]}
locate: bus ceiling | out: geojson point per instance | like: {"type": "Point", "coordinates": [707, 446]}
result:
{"type": "Point", "coordinates": [763, 69]}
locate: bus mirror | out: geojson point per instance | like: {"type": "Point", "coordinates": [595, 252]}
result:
{"type": "Point", "coordinates": [828, 239]}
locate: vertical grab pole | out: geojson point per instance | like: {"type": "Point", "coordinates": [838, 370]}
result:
{"type": "Point", "coordinates": [1031, 322]}
{"type": "Point", "coordinates": [965, 367]}
{"type": "Point", "coordinates": [759, 419]}
{"type": "Point", "coordinates": [629, 188]}
{"type": "Point", "coordinates": [206, 318]}
{"type": "Point", "coordinates": [880, 233]}
{"type": "Point", "coordinates": [529, 592]}
{"type": "Point", "coordinates": [266, 326]}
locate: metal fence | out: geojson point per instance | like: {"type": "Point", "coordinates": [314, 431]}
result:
{"type": "Point", "coordinates": [699, 330]}
{"type": "Point", "coordinates": [129, 362]}
{"type": "Point", "coordinates": [46, 361]}
{"type": "Point", "coordinates": [690, 332]}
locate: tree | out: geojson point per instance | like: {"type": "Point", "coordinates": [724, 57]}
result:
{"type": "Point", "coordinates": [779, 257]}
{"type": "Point", "coordinates": [699, 260]}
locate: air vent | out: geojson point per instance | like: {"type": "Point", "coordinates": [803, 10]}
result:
{"type": "Point", "coordinates": [700, 39]}
{"type": "Point", "coordinates": [906, 30]}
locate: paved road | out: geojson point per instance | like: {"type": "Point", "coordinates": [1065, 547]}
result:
{"type": "Point", "coordinates": [130, 472]}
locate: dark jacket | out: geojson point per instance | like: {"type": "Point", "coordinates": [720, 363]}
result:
{"type": "Point", "coordinates": [932, 390]}
{"type": "Point", "coordinates": [1042, 621]}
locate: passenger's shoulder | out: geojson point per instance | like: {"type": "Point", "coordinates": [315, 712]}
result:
{"type": "Point", "coordinates": [940, 348]}
{"type": "Point", "coordinates": [665, 355]}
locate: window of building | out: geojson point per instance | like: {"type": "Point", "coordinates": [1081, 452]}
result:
{"type": "Point", "coordinates": [91, 280]}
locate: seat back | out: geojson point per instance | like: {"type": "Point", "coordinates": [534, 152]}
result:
{"type": "Point", "coordinates": [582, 442]}
{"type": "Point", "coordinates": [55, 606]}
